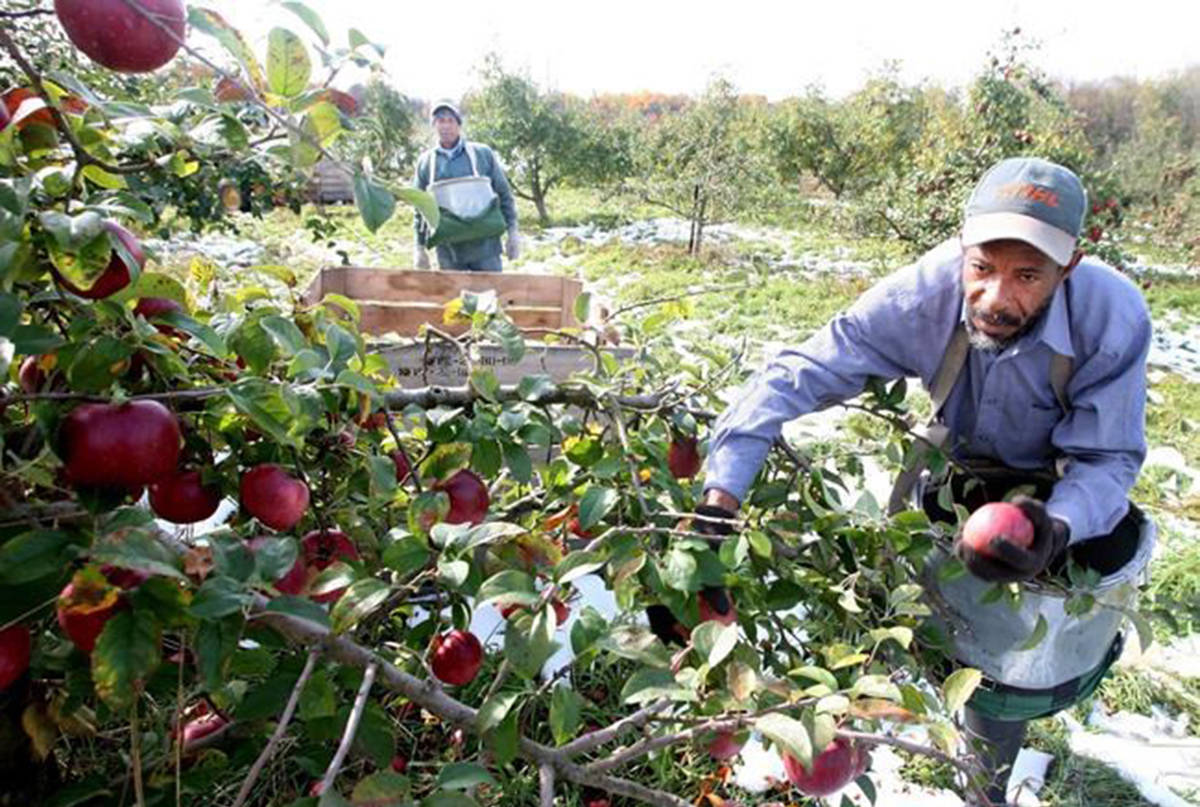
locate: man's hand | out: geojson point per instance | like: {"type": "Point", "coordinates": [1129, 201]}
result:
{"type": "Point", "coordinates": [663, 623]}
{"type": "Point", "coordinates": [421, 258]}
{"type": "Point", "coordinates": [512, 249]}
{"type": "Point", "coordinates": [1004, 561]}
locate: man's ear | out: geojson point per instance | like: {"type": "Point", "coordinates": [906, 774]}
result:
{"type": "Point", "coordinates": [1076, 257]}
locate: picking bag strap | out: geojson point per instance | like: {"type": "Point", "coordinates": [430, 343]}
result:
{"type": "Point", "coordinates": [470, 147]}
{"type": "Point", "coordinates": [934, 434]}
{"type": "Point", "coordinates": [1061, 368]}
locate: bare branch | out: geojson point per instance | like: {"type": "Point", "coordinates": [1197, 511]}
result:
{"type": "Point", "coordinates": [595, 739]}
{"type": "Point", "coordinates": [546, 785]}
{"type": "Point", "coordinates": [280, 727]}
{"type": "Point", "coordinates": [360, 703]}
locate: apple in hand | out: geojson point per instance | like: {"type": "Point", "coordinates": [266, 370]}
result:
{"type": "Point", "coordinates": [997, 520]}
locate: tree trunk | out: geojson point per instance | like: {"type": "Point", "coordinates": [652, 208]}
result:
{"type": "Point", "coordinates": [538, 191]}
{"type": "Point", "coordinates": [699, 208]}
{"type": "Point", "coordinates": [693, 234]}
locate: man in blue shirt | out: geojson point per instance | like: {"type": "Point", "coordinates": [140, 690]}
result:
{"type": "Point", "coordinates": [1020, 300]}
{"type": "Point", "coordinates": [452, 158]}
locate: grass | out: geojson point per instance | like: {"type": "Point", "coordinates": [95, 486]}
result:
{"type": "Point", "coordinates": [1077, 781]}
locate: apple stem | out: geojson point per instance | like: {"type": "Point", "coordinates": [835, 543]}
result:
{"type": "Point", "coordinates": [280, 728]}
{"type": "Point", "coordinates": [360, 703]}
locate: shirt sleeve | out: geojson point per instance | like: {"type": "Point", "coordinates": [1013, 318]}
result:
{"type": "Point", "coordinates": [1103, 436]}
{"type": "Point", "coordinates": [508, 205]}
{"type": "Point", "coordinates": [872, 338]}
{"type": "Point", "coordinates": [420, 183]}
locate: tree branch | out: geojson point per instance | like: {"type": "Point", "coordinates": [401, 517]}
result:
{"type": "Point", "coordinates": [280, 728]}
{"type": "Point", "coordinates": [546, 785]}
{"type": "Point", "coordinates": [360, 703]}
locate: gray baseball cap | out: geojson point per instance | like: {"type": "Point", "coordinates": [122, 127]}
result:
{"type": "Point", "coordinates": [1031, 200]}
{"type": "Point", "coordinates": [447, 106]}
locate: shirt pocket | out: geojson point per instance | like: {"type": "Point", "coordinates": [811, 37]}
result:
{"type": "Point", "coordinates": [1026, 440]}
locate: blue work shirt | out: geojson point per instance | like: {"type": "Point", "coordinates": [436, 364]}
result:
{"type": "Point", "coordinates": [1002, 407]}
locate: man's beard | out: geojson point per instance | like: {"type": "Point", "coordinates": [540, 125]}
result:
{"type": "Point", "coordinates": [991, 344]}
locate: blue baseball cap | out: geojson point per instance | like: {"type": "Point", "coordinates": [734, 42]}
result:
{"type": "Point", "coordinates": [1031, 200]}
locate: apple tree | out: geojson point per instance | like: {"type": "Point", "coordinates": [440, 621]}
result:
{"type": "Point", "coordinates": [240, 565]}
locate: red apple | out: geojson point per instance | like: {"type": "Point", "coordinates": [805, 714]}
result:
{"type": "Point", "coordinates": [399, 763]}
{"type": "Point", "coordinates": [15, 648]}
{"type": "Point", "coordinates": [344, 101]}
{"type": "Point", "coordinates": [122, 578]}
{"type": "Point", "coordinates": [116, 275]}
{"type": "Point", "coordinates": [321, 550]}
{"type": "Point", "coordinates": [274, 497]}
{"type": "Point", "coordinates": [183, 498]}
{"type": "Point", "coordinates": [456, 657]}
{"type": "Point", "coordinates": [997, 520]}
{"type": "Point", "coordinates": [5, 118]}
{"type": "Point", "coordinates": [724, 745]}
{"type": "Point", "coordinates": [831, 770]}
{"type": "Point", "coordinates": [12, 102]}
{"type": "Point", "coordinates": [150, 307]}
{"type": "Point", "coordinates": [561, 610]}
{"type": "Point", "coordinates": [84, 607]}
{"type": "Point", "coordinates": [31, 377]}
{"type": "Point", "coordinates": [575, 528]}
{"type": "Point", "coordinates": [468, 498]}
{"type": "Point", "coordinates": [119, 445]}
{"type": "Point", "coordinates": [121, 37]}
{"type": "Point", "coordinates": [683, 457]}
{"type": "Point", "coordinates": [707, 611]}
{"type": "Point", "coordinates": [402, 469]}
{"type": "Point", "coordinates": [201, 723]}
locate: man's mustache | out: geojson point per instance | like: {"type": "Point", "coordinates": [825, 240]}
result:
{"type": "Point", "coordinates": [1000, 319]}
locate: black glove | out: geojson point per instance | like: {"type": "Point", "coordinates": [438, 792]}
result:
{"type": "Point", "coordinates": [663, 623]}
{"type": "Point", "coordinates": [1008, 563]}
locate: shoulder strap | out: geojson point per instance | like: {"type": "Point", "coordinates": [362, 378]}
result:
{"type": "Point", "coordinates": [471, 156]}
{"type": "Point", "coordinates": [432, 165]}
{"type": "Point", "coordinates": [951, 367]}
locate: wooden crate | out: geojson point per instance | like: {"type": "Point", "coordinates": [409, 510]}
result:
{"type": "Point", "coordinates": [401, 300]}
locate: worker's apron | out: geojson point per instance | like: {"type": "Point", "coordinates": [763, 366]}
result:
{"type": "Point", "coordinates": [990, 636]}
{"type": "Point", "coordinates": [468, 207]}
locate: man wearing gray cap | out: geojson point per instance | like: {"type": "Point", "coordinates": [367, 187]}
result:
{"type": "Point", "coordinates": [475, 202]}
{"type": "Point", "coordinates": [1035, 359]}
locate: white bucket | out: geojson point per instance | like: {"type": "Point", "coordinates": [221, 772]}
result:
{"type": "Point", "coordinates": [989, 636]}
{"type": "Point", "coordinates": [465, 197]}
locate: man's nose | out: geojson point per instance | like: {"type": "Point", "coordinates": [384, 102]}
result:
{"type": "Point", "coordinates": [996, 295]}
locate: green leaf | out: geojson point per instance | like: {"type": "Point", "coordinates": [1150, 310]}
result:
{"type": "Point", "coordinates": [492, 713]}
{"type": "Point", "coordinates": [300, 607]}
{"type": "Point", "coordinates": [34, 340]}
{"type": "Point", "coordinates": [382, 788]}
{"type": "Point", "coordinates": [275, 556]}
{"type": "Point", "coordinates": [426, 509]}
{"type": "Point", "coordinates": [310, 17]}
{"type": "Point", "coordinates": [288, 65]}
{"type": "Point", "coordinates": [406, 555]}
{"type": "Point", "coordinates": [33, 555]}
{"type": "Point", "coordinates": [363, 597]}
{"type": "Point", "coordinates": [876, 686]}
{"type": "Point", "coordinates": [959, 686]}
{"type": "Point", "coordinates": [596, 503]}
{"type": "Point", "coordinates": [583, 306]}
{"type": "Point", "coordinates": [788, 733]}
{"type": "Point", "coordinates": [817, 674]}
{"type": "Point", "coordinates": [213, 24]}
{"type": "Point", "coordinates": [576, 564]}
{"type": "Point", "coordinates": [215, 645]}
{"type": "Point", "coordinates": [138, 550]}
{"type": "Point", "coordinates": [465, 775]}
{"type": "Point", "coordinates": [126, 654]}
{"type": "Point", "coordinates": [285, 334]}
{"type": "Point", "coordinates": [206, 335]}
{"type": "Point", "coordinates": [651, 685]}
{"type": "Point", "coordinates": [376, 204]}
{"type": "Point", "coordinates": [445, 461]}
{"type": "Point", "coordinates": [79, 794]}
{"type": "Point", "coordinates": [1039, 633]}
{"type": "Point", "coordinates": [528, 642]}
{"type": "Point", "coordinates": [566, 706]}
{"type": "Point", "coordinates": [260, 400]}
{"type": "Point", "coordinates": [218, 597]}
{"type": "Point", "coordinates": [680, 571]}
{"type": "Point", "coordinates": [533, 387]}
{"type": "Point", "coordinates": [423, 201]}
{"type": "Point", "coordinates": [508, 587]}
{"type": "Point", "coordinates": [714, 641]}
{"type": "Point", "coordinates": [102, 178]}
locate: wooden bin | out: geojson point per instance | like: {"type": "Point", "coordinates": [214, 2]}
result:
{"type": "Point", "coordinates": [401, 300]}
{"type": "Point", "coordinates": [398, 301]}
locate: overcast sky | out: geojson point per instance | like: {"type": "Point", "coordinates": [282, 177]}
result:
{"type": "Point", "coordinates": [674, 47]}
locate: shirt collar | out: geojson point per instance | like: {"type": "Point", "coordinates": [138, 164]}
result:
{"type": "Point", "coordinates": [453, 151]}
{"type": "Point", "coordinates": [1054, 331]}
